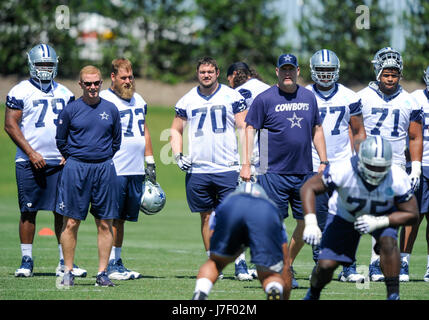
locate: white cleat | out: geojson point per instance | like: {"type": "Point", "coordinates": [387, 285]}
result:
{"type": "Point", "coordinates": [77, 272]}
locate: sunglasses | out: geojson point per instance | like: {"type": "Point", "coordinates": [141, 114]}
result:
{"type": "Point", "coordinates": [89, 84]}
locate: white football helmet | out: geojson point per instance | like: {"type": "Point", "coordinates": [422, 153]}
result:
{"type": "Point", "coordinates": [42, 53]}
{"type": "Point", "coordinates": [426, 77]}
{"type": "Point", "coordinates": [251, 187]}
{"type": "Point", "coordinates": [386, 58]}
{"type": "Point", "coordinates": [320, 63]}
{"type": "Point", "coordinates": [375, 159]}
{"type": "Point", "coordinates": [153, 198]}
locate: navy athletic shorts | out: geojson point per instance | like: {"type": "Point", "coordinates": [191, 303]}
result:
{"type": "Point", "coordinates": [284, 189]}
{"type": "Point", "coordinates": [83, 184]}
{"type": "Point", "coordinates": [204, 191]}
{"type": "Point", "coordinates": [37, 187]}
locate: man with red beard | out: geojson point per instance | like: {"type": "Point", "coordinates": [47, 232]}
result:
{"type": "Point", "coordinates": [136, 149]}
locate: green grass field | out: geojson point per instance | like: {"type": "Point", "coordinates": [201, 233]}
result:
{"type": "Point", "coordinates": [166, 248]}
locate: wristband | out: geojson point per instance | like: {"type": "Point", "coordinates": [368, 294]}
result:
{"type": "Point", "coordinates": [149, 159]}
{"type": "Point", "coordinates": [310, 219]}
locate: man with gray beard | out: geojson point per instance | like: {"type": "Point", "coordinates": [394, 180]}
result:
{"type": "Point", "coordinates": [136, 149]}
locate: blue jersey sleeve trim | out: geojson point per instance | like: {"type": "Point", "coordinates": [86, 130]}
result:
{"type": "Point", "coordinates": [181, 113]}
{"type": "Point", "coordinates": [13, 103]}
{"type": "Point", "coordinates": [239, 106]}
{"type": "Point", "coordinates": [405, 197]}
{"type": "Point", "coordinates": [356, 108]}
{"type": "Point", "coordinates": [416, 115]}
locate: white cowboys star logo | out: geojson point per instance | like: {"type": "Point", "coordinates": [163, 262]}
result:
{"type": "Point", "coordinates": [104, 116]}
{"type": "Point", "coordinates": [295, 121]}
{"type": "Point", "coordinates": [288, 58]}
{"type": "Point", "coordinates": [62, 205]}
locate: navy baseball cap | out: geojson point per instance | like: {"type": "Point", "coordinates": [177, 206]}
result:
{"type": "Point", "coordinates": [236, 66]}
{"type": "Point", "coordinates": [287, 59]}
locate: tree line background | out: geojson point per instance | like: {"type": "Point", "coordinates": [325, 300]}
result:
{"type": "Point", "coordinates": [165, 38]}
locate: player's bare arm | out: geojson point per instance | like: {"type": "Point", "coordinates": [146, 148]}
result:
{"type": "Point", "coordinates": [416, 140]}
{"type": "Point", "coordinates": [176, 138]}
{"type": "Point", "coordinates": [320, 145]}
{"type": "Point", "coordinates": [11, 126]}
{"type": "Point", "coordinates": [357, 129]}
{"type": "Point", "coordinates": [247, 148]}
{"type": "Point", "coordinates": [309, 190]}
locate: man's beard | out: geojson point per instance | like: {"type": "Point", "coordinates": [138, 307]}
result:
{"type": "Point", "coordinates": [123, 92]}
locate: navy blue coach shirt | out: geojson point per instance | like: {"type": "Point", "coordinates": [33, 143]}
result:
{"type": "Point", "coordinates": [89, 132]}
{"type": "Point", "coordinates": [289, 119]}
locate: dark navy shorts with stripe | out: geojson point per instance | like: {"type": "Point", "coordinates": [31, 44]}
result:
{"type": "Point", "coordinates": [84, 184]}
{"type": "Point", "coordinates": [37, 188]}
{"type": "Point", "coordinates": [204, 191]}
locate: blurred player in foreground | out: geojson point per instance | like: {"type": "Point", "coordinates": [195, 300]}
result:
{"type": "Point", "coordinates": [247, 218]}
{"type": "Point", "coordinates": [370, 195]}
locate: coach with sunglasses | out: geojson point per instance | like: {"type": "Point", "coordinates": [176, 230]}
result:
{"type": "Point", "coordinates": [88, 136]}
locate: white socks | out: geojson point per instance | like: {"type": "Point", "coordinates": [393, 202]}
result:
{"type": "Point", "coordinates": [115, 253]}
{"type": "Point", "coordinates": [203, 285]}
{"type": "Point", "coordinates": [60, 250]}
{"type": "Point", "coordinates": [274, 284]}
{"type": "Point", "coordinates": [374, 256]}
{"type": "Point", "coordinates": [27, 250]}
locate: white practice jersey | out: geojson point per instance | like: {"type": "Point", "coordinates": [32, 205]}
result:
{"type": "Point", "coordinates": [335, 112]}
{"type": "Point", "coordinates": [249, 90]}
{"type": "Point", "coordinates": [129, 159]}
{"type": "Point", "coordinates": [211, 128]}
{"type": "Point", "coordinates": [352, 198]}
{"type": "Point", "coordinates": [39, 116]}
{"type": "Point", "coordinates": [390, 118]}
{"type": "Point", "coordinates": [422, 98]}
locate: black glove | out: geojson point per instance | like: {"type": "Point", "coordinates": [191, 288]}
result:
{"type": "Point", "coordinates": [151, 172]}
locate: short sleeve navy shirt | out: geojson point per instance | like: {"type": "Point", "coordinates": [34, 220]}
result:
{"type": "Point", "coordinates": [288, 120]}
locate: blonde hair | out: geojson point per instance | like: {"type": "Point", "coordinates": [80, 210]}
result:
{"type": "Point", "coordinates": [89, 70]}
{"type": "Point", "coordinates": [121, 63]}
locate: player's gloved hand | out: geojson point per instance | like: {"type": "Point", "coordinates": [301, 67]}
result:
{"type": "Point", "coordinates": [151, 172]}
{"type": "Point", "coordinates": [183, 162]}
{"type": "Point", "coordinates": [367, 223]}
{"type": "Point", "coordinates": [312, 234]}
{"type": "Point", "coordinates": [416, 170]}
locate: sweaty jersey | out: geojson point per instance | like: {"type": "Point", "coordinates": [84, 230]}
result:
{"type": "Point", "coordinates": [422, 98]}
{"type": "Point", "coordinates": [40, 111]}
{"type": "Point", "coordinates": [211, 128]}
{"type": "Point", "coordinates": [390, 117]}
{"type": "Point", "coordinates": [288, 120]}
{"type": "Point", "coordinates": [352, 197]}
{"type": "Point", "coordinates": [249, 90]}
{"type": "Point", "coordinates": [129, 160]}
{"type": "Point", "coordinates": [335, 112]}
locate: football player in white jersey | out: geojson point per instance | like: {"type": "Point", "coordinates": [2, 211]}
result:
{"type": "Point", "coordinates": [341, 113]}
{"type": "Point", "coordinates": [136, 149]}
{"type": "Point", "coordinates": [32, 108]}
{"type": "Point", "coordinates": [409, 234]}
{"type": "Point", "coordinates": [371, 194]}
{"type": "Point", "coordinates": [248, 83]}
{"type": "Point", "coordinates": [212, 112]}
{"type": "Point", "coordinates": [391, 112]}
